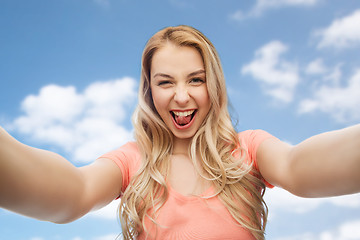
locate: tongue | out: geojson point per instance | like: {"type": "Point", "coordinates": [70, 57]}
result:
{"type": "Point", "coordinates": [182, 120]}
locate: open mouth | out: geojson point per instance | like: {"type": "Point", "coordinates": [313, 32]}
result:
{"type": "Point", "coordinates": [183, 118]}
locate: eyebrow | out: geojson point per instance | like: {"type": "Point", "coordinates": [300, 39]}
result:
{"type": "Point", "coordinates": [201, 71]}
{"type": "Point", "coordinates": [162, 75]}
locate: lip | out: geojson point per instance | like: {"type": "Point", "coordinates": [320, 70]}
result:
{"type": "Point", "coordinates": [187, 125]}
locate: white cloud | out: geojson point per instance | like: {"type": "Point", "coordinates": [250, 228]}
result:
{"type": "Point", "coordinates": [277, 76]}
{"type": "Point", "coordinates": [346, 231]}
{"type": "Point", "coordinates": [316, 67]}
{"type": "Point", "coordinates": [351, 201]}
{"type": "Point", "coordinates": [84, 124]}
{"type": "Point", "coordinates": [341, 102]}
{"type": "Point", "coordinates": [323, 75]}
{"type": "Point", "coordinates": [262, 6]}
{"type": "Point", "coordinates": [108, 212]}
{"type": "Point", "coordinates": [342, 33]}
{"type": "Point", "coordinates": [108, 237]}
{"type": "Point", "coordinates": [334, 76]}
{"type": "Point", "coordinates": [280, 200]}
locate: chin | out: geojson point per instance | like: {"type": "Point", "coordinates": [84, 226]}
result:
{"type": "Point", "coordinates": [182, 135]}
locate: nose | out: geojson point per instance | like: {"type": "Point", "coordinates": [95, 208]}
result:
{"type": "Point", "coordinates": [181, 95]}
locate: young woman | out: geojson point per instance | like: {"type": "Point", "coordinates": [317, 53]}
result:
{"type": "Point", "coordinates": [189, 175]}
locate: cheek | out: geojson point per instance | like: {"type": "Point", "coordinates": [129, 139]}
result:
{"type": "Point", "coordinates": [159, 100]}
{"type": "Point", "coordinates": [203, 98]}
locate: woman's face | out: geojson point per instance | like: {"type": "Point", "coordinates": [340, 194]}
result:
{"type": "Point", "coordinates": [178, 86]}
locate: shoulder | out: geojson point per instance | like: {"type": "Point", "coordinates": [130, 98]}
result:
{"type": "Point", "coordinates": [253, 138]}
{"type": "Point", "coordinates": [253, 133]}
{"type": "Point", "coordinates": [250, 140]}
{"type": "Point", "coordinates": [126, 157]}
{"type": "Point", "coordinates": [129, 149]}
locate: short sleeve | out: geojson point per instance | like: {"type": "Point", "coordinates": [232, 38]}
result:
{"type": "Point", "coordinates": [128, 159]}
{"type": "Point", "coordinates": [251, 140]}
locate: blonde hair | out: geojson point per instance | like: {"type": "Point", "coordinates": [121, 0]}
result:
{"type": "Point", "coordinates": [234, 179]}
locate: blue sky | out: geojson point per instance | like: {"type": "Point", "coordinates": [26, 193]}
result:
{"type": "Point", "coordinates": [69, 74]}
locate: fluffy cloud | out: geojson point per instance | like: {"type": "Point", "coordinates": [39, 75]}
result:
{"type": "Point", "coordinates": [324, 75]}
{"type": "Point", "coordinates": [83, 124]}
{"type": "Point", "coordinates": [107, 237]}
{"type": "Point", "coordinates": [342, 33]}
{"type": "Point", "coordinates": [341, 102]}
{"type": "Point", "coordinates": [110, 236]}
{"type": "Point", "coordinates": [262, 6]}
{"type": "Point", "coordinates": [316, 67]}
{"type": "Point", "coordinates": [279, 199]}
{"type": "Point", "coordinates": [108, 212]}
{"type": "Point", "coordinates": [277, 76]}
{"type": "Point", "coordinates": [347, 231]}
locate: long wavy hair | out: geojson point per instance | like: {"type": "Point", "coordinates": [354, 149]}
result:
{"type": "Point", "coordinates": [222, 160]}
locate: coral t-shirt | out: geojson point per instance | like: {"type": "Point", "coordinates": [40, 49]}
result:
{"type": "Point", "coordinates": [189, 217]}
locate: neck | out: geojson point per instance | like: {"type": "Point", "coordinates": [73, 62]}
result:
{"type": "Point", "coordinates": [181, 146]}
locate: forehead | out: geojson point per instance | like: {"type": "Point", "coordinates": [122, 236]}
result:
{"type": "Point", "coordinates": [175, 59]}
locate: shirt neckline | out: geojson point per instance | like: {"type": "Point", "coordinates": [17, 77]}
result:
{"type": "Point", "coordinates": [188, 198]}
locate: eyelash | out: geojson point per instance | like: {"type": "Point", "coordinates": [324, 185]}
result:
{"type": "Point", "coordinates": [197, 80]}
{"type": "Point", "coordinates": [193, 80]}
{"type": "Point", "coordinates": [163, 83]}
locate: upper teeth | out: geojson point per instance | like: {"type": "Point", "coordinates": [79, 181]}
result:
{"type": "Point", "coordinates": [183, 114]}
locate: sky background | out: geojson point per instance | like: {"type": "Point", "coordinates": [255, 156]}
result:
{"type": "Point", "coordinates": [69, 74]}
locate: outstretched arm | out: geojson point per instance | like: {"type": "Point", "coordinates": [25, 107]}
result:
{"type": "Point", "coordinates": [327, 164]}
{"type": "Point", "coordinates": [44, 185]}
